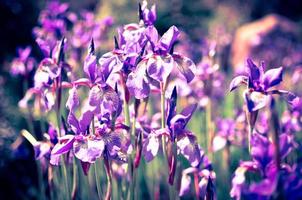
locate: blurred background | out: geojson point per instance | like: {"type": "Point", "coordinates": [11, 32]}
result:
{"type": "Point", "coordinates": [269, 30]}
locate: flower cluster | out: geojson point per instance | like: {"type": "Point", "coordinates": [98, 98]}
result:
{"type": "Point", "coordinates": [142, 117]}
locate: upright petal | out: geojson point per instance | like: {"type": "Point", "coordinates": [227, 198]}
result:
{"type": "Point", "coordinates": [253, 70]}
{"type": "Point", "coordinates": [137, 82]}
{"type": "Point", "coordinates": [179, 121]}
{"type": "Point", "coordinates": [152, 35]}
{"type": "Point", "coordinates": [272, 77]}
{"type": "Point", "coordinates": [73, 100]}
{"type": "Point", "coordinates": [168, 39]}
{"type": "Point", "coordinates": [90, 67]}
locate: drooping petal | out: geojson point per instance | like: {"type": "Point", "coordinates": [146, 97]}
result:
{"type": "Point", "coordinates": [88, 149]}
{"type": "Point", "coordinates": [137, 83]}
{"type": "Point", "coordinates": [206, 185]}
{"type": "Point", "coordinates": [64, 145]}
{"type": "Point", "coordinates": [255, 100]}
{"type": "Point", "coordinates": [189, 149]}
{"type": "Point", "coordinates": [150, 147]}
{"type": "Point", "coordinates": [50, 66]}
{"type": "Point", "coordinates": [73, 100]}
{"type": "Point", "coordinates": [238, 81]}
{"type": "Point", "coordinates": [110, 102]}
{"type": "Point", "coordinates": [262, 150]}
{"type": "Point", "coordinates": [186, 66]}
{"type": "Point", "coordinates": [109, 63]}
{"type": "Point", "coordinates": [42, 149]}
{"type": "Point", "coordinates": [219, 142]}
{"type": "Point", "coordinates": [185, 184]}
{"type": "Point", "coordinates": [94, 99]}
{"type": "Point", "coordinates": [160, 67]}
{"type": "Point", "coordinates": [168, 39]}
{"type": "Point", "coordinates": [272, 77]}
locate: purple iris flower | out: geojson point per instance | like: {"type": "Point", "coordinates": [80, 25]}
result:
{"type": "Point", "coordinates": [23, 64]}
{"type": "Point", "coordinates": [204, 178]}
{"type": "Point", "coordinates": [158, 63]}
{"type": "Point", "coordinates": [89, 147]}
{"type": "Point", "coordinates": [226, 133]}
{"type": "Point", "coordinates": [259, 85]}
{"type": "Point", "coordinates": [176, 131]}
{"type": "Point", "coordinates": [264, 164]}
{"type": "Point", "coordinates": [180, 140]}
{"type": "Point", "coordinates": [43, 148]}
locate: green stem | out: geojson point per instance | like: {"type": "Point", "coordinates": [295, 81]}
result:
{"type": "Point", "coordinates": [250, 137]}
{"type": "Point", "coordinates": [41, 183]}
{"type": "Point", "coordinates": [109, 179]}
{"type": "Point", "coordinates": [163, 120]}
{"type": "Point", "coordinates": [65, 177]}
{"type": "Point", "coordinates": [132, 168]}
{"type": "Point", "coordinates": [75, 179]}
{"type": "Point", "coordinates": [209, 129]}
{"type": "Point", "coordinates": [97, 181]}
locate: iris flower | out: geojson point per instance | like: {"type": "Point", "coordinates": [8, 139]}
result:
{"type": "Point", "coordinates": [259, 85]}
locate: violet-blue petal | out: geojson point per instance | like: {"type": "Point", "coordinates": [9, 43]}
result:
{"type": "Point", "coordinates": [73, 100]}
{"type": "Point", "coordinates": [110, 102]}
{"type": "Point", "coordinates": [90, 67]}
{"type": "Point", "coordinates": [160, 67]}
{"type": "Point", "coordinates": [150, 147]}
{"type": "Point", "coordinates": [272, 77]}
{"type": "Point", "coordinates": [189, 149]}
{"type": "Point", "coordinates": [253, 70]}
{"type": "Point", "coordinates": [262, 150]}
{"type": "Point", "coordinates": [238, 81]}
{"type": "Point", "coordinates": [186, 66]}
{"type": "Point", "coordinates": [219, 143]}
{"type": "Point", "coordinates": [73, 123]}
{"type": "Point", "coordinates": [168, 39]}
{"type": "Point", "coordinates": [64, 145]}
{"type": "Point", "coordinates": [42, 149]}
{"type": "Point", "coordinates": [88, 149]}
{"type": "Point", "coordinates": [185, 184]}
{"type": "Point", "coordinates": [152, 35]}
{"type": "Point", "coordinates": [179, 121]}
{"type": "Point", "coordinates": [137, 82]}
{"type": "Point", "coordinates": [286, 144]}
{"type": "Point", "coordinates": [44, 46]}
{"type": "Point", "coordinates": [255, 100]}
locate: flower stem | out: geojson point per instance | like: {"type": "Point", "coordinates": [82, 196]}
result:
{"type": "Point", "coordinates": [163, 119]}
{"type": "Point", "coordinates": [75, 179]}
{"type": "Point", "coordinates": [109, 179]}
{"type": "Point", "coordinates": [210, 131]}
{"type": "Point", "coordinates": [97, 180]}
